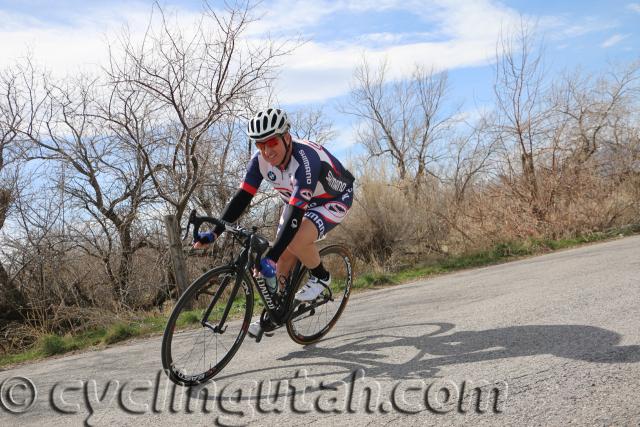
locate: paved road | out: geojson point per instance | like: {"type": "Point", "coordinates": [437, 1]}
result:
{"type": "Point", "coordinates": [548, 340]}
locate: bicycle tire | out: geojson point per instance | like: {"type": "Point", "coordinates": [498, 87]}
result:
{"type": "Point", "coordinates": [191, 307]}
{"type": "Point", "coordinates": [341, 288]}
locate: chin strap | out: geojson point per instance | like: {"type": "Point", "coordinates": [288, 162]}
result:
{"type": "Point", "coordinates": [287, 155]}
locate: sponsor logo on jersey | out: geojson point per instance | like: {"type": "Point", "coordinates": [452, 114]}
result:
{"type": "Point", "coordinates": [347, 194]}
{"type": "Point", "coordinates": [271, 175]}
{"type": "Point", "coordinates": [307, 166]}
{"type": "Point", "coordinates": [336, 208]}
{"type": "Point", "coordinates": [317, 221]}
{"type": "Point", "coordinates": [306, 194]}
{"type": "Point", "coordinates": [335, 183]}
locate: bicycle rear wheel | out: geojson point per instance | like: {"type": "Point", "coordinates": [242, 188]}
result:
{"type": "Point", "coordinates": [313, 320]}
{"type": "Point", "coordinates": [193, 348]}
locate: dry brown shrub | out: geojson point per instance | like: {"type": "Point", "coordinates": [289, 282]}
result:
{"type": "Point", "coordinates": [388, 224]}
{"type": "Point", "coordinates": [572, 201]}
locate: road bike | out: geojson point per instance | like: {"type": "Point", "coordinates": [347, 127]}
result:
{"type": "Point", "coordinates": [210, 319]}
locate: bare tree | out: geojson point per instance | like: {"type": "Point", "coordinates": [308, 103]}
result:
{"type": "Point", "coordinates": [595, 109]}
{"type": "Point", "coordinates": [42, 254]}
{"type": "Point", "coordinates": [311, 124]}
{"type": "Point", "coordinates": [227, 171]}
{"type": "Point", "coordinates": [195, 81]}
{"type": "Point", "coordinates": [107, 172]}
{"type": "Point", "coordinates": [521, 111]}
{"type": "Point", "coordinates": [403, 120]}
{"type": "Point", "coordinates": [471, 156]}
{"type": "Point", "coordinates": [11, 299]}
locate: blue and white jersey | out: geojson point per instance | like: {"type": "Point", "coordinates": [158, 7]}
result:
{"type": "Point", "coordinates": [313, 176]}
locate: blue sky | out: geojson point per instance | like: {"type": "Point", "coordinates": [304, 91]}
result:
{"type": "Point", "coordinates": [458, 36]}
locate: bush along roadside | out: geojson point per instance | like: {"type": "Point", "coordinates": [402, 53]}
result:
{"type": "Point", "coordinates": [50, 345]}
{"type": "Point", "coordinates": [501, 252]}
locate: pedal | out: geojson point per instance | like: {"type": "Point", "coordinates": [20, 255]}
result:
{"type": "Point", "coordinates": [267, 331]}
{"type": "Point", "coordinates": [266, 326]}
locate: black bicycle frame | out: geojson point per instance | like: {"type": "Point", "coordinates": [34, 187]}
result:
{"type": "Point", "coordinates": [243, 264]}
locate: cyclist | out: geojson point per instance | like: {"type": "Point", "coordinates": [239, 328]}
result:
{"type": "Point", "coordinates": [316, 188]}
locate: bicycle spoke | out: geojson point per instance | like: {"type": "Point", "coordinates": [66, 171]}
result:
{"type": "Point", "coordinates": [319, 317]}
{"type": "Point", "coordinates": [194, 353]}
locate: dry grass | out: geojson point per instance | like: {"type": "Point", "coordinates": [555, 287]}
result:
{"type": "Point", "coordinates": [388, 227]}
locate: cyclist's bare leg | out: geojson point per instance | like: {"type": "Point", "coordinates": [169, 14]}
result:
{"type": "Point", "coordinates": [285, 265]}
{"type": "Point", "coordinates": [302, 247]}
{"type": "Point", "coordinates": [303, 244]}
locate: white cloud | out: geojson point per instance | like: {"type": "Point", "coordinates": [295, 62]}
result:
{"type": "Point", "coordinates": [382, 39]}
{"type": "Point", "coordinates": [483, 19]}
{"type": "Point", "coordinates": [316, 71]}
{"type": "Point", "coordinates": [291, 15]}
{"type": "Point", "coordinates": [564, 28]}
{"type": "Point", "coordinates": [77, 44]}
{"type": "Point", "coordinates": [467, 34]}
{"type": "Point", "coordinates": [634, 7]}
{"type": "Point", "coordinates": [457, 33]}
{"type": "Point", "coordinates": [614, 40]}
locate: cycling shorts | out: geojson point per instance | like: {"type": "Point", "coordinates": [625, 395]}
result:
{"type": "Point", "coordinates": [327, 215]}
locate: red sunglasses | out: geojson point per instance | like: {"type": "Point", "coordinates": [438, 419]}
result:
{"type": "Point", "coordinates": [271, 142]}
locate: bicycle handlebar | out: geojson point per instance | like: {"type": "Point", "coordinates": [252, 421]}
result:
{"type": "Point", "coordinates": [197, 221]}
{"type": "Point", "coordinates": [257, 243]}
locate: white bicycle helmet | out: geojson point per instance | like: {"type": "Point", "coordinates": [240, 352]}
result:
{"type": "Point", "coordinates": [268, 123]}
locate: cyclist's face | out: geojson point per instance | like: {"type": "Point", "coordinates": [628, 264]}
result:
{"type": "Point", "coordinates": [272, 149]}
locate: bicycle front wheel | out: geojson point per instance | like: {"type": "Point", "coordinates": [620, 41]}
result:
{"type": "Point", "coordinates": [194, 346]}
{"type": "Point", "coordinates": [313, 320]}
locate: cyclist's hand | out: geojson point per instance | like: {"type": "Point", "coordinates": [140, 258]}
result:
{"type": "Point", "coordinates": [204, 240]}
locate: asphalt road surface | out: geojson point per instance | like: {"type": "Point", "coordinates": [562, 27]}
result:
{"type": "Point", "coordinates": [549, 340]}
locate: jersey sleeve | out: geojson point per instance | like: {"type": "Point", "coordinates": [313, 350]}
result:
{"type": "Point", "coordinates": [253, 177]}
{"type": "Point", "coordinates": [306, 176]}
{"type": "Point", "coordinates": [234, 209]}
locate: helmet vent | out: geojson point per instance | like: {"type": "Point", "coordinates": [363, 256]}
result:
{"type": "Point", "coordinates": [267, 123]}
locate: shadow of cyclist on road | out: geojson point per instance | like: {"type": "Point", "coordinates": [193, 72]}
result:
{"type": "Point", "coordinates": [370, 351]}
{"type": "Point", "coordinates": [422, 350]}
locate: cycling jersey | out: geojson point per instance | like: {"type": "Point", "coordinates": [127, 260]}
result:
{"type": "Point", "coordinates": [312, 176]}
{"type": "Point", "coordinates": [314, 184]}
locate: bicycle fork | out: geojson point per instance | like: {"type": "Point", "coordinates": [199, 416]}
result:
{"type": "Point", "coordinates": [220, 328]}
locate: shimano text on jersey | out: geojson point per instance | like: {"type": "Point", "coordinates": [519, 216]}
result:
{"type": "Point", "coordinates": [335, 183]}
{"type": "Point", "coordinates": [307, 166]}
